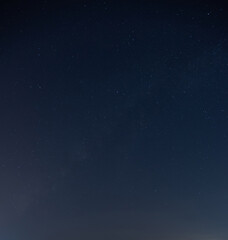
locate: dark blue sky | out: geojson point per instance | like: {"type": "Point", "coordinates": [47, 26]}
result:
{"type": "Point", "coordinates": [114, 120]}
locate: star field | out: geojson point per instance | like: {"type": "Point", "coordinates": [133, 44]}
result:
{"type": "Point", "coordinates": [114, 120]}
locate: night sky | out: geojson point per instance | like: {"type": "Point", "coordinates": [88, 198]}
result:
{"type": "Point", "coordinates": [113, 120]}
